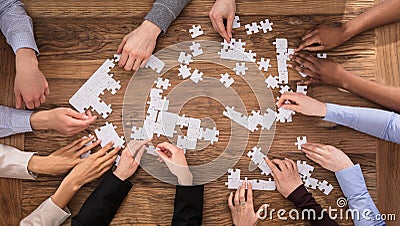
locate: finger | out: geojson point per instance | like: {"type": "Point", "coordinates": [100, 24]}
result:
{"type": "Point", "coordinates": [78, 143]}
{"type": "Point", "coordinates": [308, 57]}
{"type": "Point", "coordinates": [29, 104]}
{"type": "Point", "coordinates": [303, 62]}
{"type": "Point", "coordinates": [308, 42]}
{"type": "Point", "coordinates": [103, 150]}
{"type": "Point", "coordinates": [294, 165]}
{"type": "Point", "coordinates": [242, 192]}
{"type": "Point", "coordinates": [229, 25]}
{"type": "Point", "coordinates": [144, 62]}
{"type": "Point", "coordinates": [236, 199]}
{"type": "Point", "coordinates": [42, 99]}
{"type": "Point", "coordinates": [121, 46]}
{"type": "Point", "coordinates": [292, 107]}
{"type": "Point", "coordinates": [250, 193]}
{"type": "Point", "coordinates": [230, 202]}
{"type": "Point", "coordinates": [163, 156]}
{"type": "Point", "coordinates": [129, 64]}
{"type": "Point", "coordinates": [73, 143]}
{"type": "Point", "coordinates": [18, 100]}
{"type": "Point", "coordinates": [288, 96]}
{"type": "Point", "coordinates": [219, 22]}
{"type": "Point", "coordinates": [303, 70]}
{"type": "Point", "coordinates": [316, 148]}
{"type": "Point", "coordinates": [315, 48]}
{"type": "Point", "coordinates": [137, 64]}
{"type": "Point", "coordinates": [107, 164]}
{"type": "Point", "coordinates": [289, 163]}
{"type": "Point", "coordinates": [37, 102]}
{"type": "Point", "coordinates": [272, 166]}
{"type": "Point", "coordinates": [124, 58]}
{"type": "Point", "coordinates": [167, 146]}
{"type": "Point", "coordinates": [47, 91]}
{"type": "Point", "coordinates": [281, 164]}
{"type": "Point", "coordinates": [309, 34]}
{"type": "Point", "coordinates": [75, 114]}
{"type": "Point", "coordinates": [109, 155]}
{"type": "Point", "coordinates": [88, 113]}
{"type": "Point", "coordinates": [89, 147]}
{"type": "Point", "coordinates": [313, 156]}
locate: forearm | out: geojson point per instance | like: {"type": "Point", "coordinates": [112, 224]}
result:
{"type": "Point", "coordinates": [382, 124]}
{"type": "Point", "coordinates": [103, 203]}
{"type": "Point", "coordinates": [16, 25]}
{"type": "Point", "coordinates": [303, 199]}
{"type": "Point", "coordinates": [164, 12]}
{"type": "Point", "coordinates": [382, 13]}
{"type": "Point", "coordinates": [353, 185]}
{"type": "Point", "coordinates": [13, 121]}
{"type": "Point", "coordinates": [387, 96]}
{"type": "Point", "coordinates": [188, 205]}
{"type": "Point", "coordinates": [65, 192]}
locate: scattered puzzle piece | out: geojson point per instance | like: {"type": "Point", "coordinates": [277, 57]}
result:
{"type": "Point", "coordinates": [196, 49]}
{"type": "Point", "coordinates": [196, 31]}
{"type": "Point", "coordinates": [196, 76]}
{"type": "Point", "coordinates": [184, 71]}
{"type": "Point", "coordinates": [185, 58]}
{"type": "Point", "coordinates": [264, 64]}
{"type": "Point", "coordinates": [107, 134]}
{"type": "Point", "coordinates": [226, 80]}
{"type": "Point", "coordinates": [300, 142]}
{"type": "Point", "coordinates": [252, 28]}
{"type": "Point", "coordinates": [236, 22]}
{"type": "Point", "coordinates": [240, 69]}
{"type": "Point", "coordinates": [164, 83]}
{"type": "Point", "coordinates": [266, 25]}
{"type": "Point", "coordinates": [154, 63]}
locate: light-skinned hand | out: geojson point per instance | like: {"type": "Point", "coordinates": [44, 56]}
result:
{"type": "Point", "coordinates": [223, 10]}
{"type": "Point", "coordinates": [62, 160]}
{"type": "Point", "coordinates": [93, 166]}
{"type": "Point", "coordinates": [302, 104]}
{"type": "Point", "coordinates": [30, 84]}
{"type": "Point", "coordinates": [321, 71]}
{"type": "Point", "coordinates": [64, 120]}
{"type": "Point", "coordinates": [327, 156]}
{"type": "Point", "coordinates": [286, 177]}
{"type": "Point", "coordinates": [86, 171]}
{"type": "Point", "coordinates": [137, 46]}
{"type": "Point", "coordinates": [242, 207]}
{"type": "Point", "coordinates": [324, 37]}
{"type": "Point", "coordinates": [130, 159]}
{"type": "Point", "coordinates": [175, 160]}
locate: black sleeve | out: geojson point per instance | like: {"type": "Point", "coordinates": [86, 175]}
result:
{"type": "Point", "coordinates": [103, 203]}
{"type": "Point", "coordinates": [305, 201]}
{"type": "Point", "coordinates": [188, 206]}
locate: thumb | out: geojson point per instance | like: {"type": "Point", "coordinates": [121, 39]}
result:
{"type": "Point", "coordinates": [75, 114]}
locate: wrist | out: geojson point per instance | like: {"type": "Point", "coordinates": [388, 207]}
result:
{"type": "Point", "coordinates": [186, 179]}
{"type": "Point", "coordinates": [349, 165]}
{"type": "Point", "coordinates": [151, 28]}
{"type": "Point", "coordinates": [27, 57]}
{"type": "Point", "coordinates": [40, 120]}
{"type": "Point", "coordinates": [349, 31]}
{"type": "Point", "coordinates": [71, 183]}
{"type": "Point", "coordinates": [35, 164]}
{"type": "Point", "coordinates": [120, 175]}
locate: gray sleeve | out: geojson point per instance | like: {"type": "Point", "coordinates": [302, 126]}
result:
{"type": "Point", "coordinates": [16, 25]}
{"type": "Point", "coordinates": [164, 12]}
{"type": "Point", "coordinates": [13, 121]}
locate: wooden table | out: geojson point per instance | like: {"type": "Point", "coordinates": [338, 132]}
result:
{"type": "Point", "coordinates": [75, 37]}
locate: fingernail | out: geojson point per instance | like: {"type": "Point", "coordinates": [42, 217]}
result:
{"type": "Point", "coordinates": [85, 117]}
{"type": "Point", "coordinates": [289, 65]}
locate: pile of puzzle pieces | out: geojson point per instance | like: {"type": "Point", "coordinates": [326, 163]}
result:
{"type": "Point", "coordinates": [234, 182]}
{"type": "Point", "coordinates": [251, 122]}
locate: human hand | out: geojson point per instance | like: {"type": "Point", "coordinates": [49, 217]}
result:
{"type": "Point", "coordinates": [327, 156]}
{"type": "Point", "coordinates": [320, 70]}
{"type": "Point", "coordinates": [64, 120]}
{"type": "Point", "coordinates": [324, 37]}
{"type": "Point", "coordinates": [62, 160]}
{"type": "Point", "coordinates": [137, 46]}
{"type": "Point", "coordinates": [302, 104]}
{"type": "Point", "coordinates": [223, 9]}
{"type": "Point", "coordinates": [287, 177]}
{"type": "Point", "coordinates": [93, 166]}
{"type": "Point", "coordinates": [176, 162]}
{"type": "Point", "coordinates": [130, 159]}
{"type": "Point", "coordinates": [30, 84]}
{"type": "Point", "coordinates": [242, 210]}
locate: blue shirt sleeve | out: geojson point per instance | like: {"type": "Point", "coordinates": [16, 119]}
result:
{"type": "Point", "coordinates": [351, 181]}
{"type": "Point", "coordinates": [13, 121]}
{"type": "Point", "coordinates": [16, 25]}
{"type": "Point", "coordinates": [379, 123]}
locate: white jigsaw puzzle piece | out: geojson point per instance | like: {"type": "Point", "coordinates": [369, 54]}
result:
{"type": "Point", "coordinates": [195, 31]}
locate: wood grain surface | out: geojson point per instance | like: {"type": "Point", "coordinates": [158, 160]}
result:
{"type": "Point", "coordinates": [75, 37]}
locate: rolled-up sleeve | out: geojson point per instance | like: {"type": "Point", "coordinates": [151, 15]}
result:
{"type": "Point", "coordinates": [13, 121]}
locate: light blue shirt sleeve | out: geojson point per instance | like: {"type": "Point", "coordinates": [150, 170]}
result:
{"type": "Point", "coordinates": [351, 181]}
{"type": "Point", "coordinates": [379, 123]}
{"type": "Point", "coordinates": [13, 121]}
{"type": "Point", "coordinates": [16, 25]}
